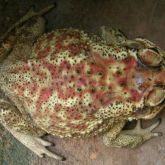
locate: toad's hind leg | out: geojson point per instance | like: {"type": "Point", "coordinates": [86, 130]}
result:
{"type": "Point", "coordinates": [31, 13]}
{"type": "Point", "coordinates": [133, 138]}
{"type": "Point", "coordinates": [112, 36]}
{"type": "Point", "coordinates": [35, 144]}
{"type": "Point", "coordinates": [23, 33]}
{"type": "Point", "coordinates": [23, 129]}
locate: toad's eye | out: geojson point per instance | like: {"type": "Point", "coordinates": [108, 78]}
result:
{"type": "Point", "coordinates": [155, 97]}
{"type": "Point", "coordinates": [150, 57]}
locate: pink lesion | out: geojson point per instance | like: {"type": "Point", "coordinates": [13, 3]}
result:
{"type": "Point", "coordinates": [99, 71]}
{"type": "Point", "coordinates": [76, 49]}
{"type": "Point", "coordinates": [80, 79]}
{"type": "Point", "coordinates": [122, 81]}
{"type": "Point", "coordinates": [44, 96]}
{"type": "Point", "coordinates": [135, 95]}
{"type": "Point", "coordinates": [20, 69]}
{"type": "Point", "coordinates": [130, 63]}
{"type": "Point", "coordinates": [64, 40]}
{"type": "Point", "coordinates": [38, 72]}
{"type": "Point", "coordinates": [73, 43]}
{"type": "Point", "coordinates": [32, 87]}
{"type": "Point", "coordinates": [64, 94]}
{"type": "Point", "coordinates": [73, 114]}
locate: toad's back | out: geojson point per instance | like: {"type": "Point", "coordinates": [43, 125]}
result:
{"type": "Point", "coordinates": [72, 85]}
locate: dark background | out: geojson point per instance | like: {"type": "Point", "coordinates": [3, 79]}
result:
{"type": "Point", "coordinates": [135, 18]}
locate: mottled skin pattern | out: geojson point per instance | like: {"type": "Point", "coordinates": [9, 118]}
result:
{"type": "Point", "coordinates": [70, 84]}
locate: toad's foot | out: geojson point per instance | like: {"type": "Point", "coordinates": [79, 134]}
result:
{"type": "Point", "coordinates": [145, 133]}
{"type": "Point", "coordinates": [36, 144]}
{"type": "Point", "coordinates": [135, 137]}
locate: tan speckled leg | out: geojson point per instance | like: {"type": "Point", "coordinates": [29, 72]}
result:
{"type": "Point", "coordinates": [112, 36]}
{"type": "Point", "coordinates": [133, 138]}
{"type": "Point", "coordinates": [113, 133]}
{"type": "Point", "coordinates": [24, 130]}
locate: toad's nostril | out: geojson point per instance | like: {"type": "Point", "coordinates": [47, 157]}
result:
{"type": "Point", "coordinates": [156, 96]}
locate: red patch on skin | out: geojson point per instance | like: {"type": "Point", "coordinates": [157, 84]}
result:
{"type": "Point", "coordinates": [44, 96]}
{"type": "Point", "coordinates": [59, 82]}
{"type": "Point", "coordinates": [68, 93]}
{"type": "Point", "coordinates": [135, 95]}
{"type": "Point", "coordinates": [122, 81]}
{"type": "Point", "coordinates": [57, 107]}
{"type": "Point", "coordinates": [23, 69]}
{"type": "Point", "coordinates": [79, 68]}
{"type": "Point", "coordinates": [73, 113]}
{"type": "Point", "coordinates": [100, 99]}
{"type": "Point", "coordinates": [58, 47]}
{"type": "Point", "coordinates": [74, 48]}
{"type": "Point", "coordinates": [95, 68]}
{"type": "Point", "coordinates": [33, 87]}
{"type": "Point", "coordinates": [82, 81]}
{"type": "Point", "coordinates": [130, 63]}
{"type": "Point", "coordinates": [64, 65]}
{"type": "Point", "coordinates": [37, 72]}
{"type": "Point", "coordinates": [53, 70]}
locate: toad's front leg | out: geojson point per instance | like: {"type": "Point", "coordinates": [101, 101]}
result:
{"type": "Point", "coordinates": [24, 130]}
{"type": "Point", "coordinates": [131, 138]}
{"type": "Point", "coordinates": [111, 35]}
